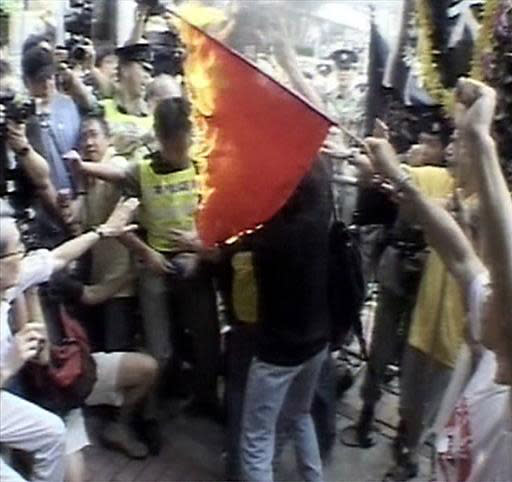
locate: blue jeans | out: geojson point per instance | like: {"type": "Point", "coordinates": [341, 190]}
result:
{"type": "Point", "coordinates": [278, 399]}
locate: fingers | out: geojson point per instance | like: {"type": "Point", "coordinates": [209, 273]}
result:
{"type": "Point", "coordinates": [467, 91]}
{"type": "Point", "coordinates": [130, 228]}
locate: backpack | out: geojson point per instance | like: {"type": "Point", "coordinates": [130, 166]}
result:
{"type": "Point", "coordinates": [346, 287]}
{"type": "Point", "coordinates": [69, 378]}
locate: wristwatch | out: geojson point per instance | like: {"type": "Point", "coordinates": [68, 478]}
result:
{"type": "Point", "coordinates": [99, 231]}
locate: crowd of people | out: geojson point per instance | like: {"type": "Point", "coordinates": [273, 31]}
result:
{"type": "Point", "coordinates": [109, 297]}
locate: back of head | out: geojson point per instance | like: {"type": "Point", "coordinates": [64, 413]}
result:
{"type": "Point", "coordinates": [172, 116]}
{"type": "Point", "coordinates": [163, 86]}
{"type": "Point", "coordinates": [37, 62]}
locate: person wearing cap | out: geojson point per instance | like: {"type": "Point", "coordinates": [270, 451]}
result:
{"type": "Point", "coordinates": [129, 103]}
{"type": "Point", "coordinates": [127, 112]}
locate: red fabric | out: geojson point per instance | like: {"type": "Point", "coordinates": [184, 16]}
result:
{"type": "Point", "coordinates": [261, 138]}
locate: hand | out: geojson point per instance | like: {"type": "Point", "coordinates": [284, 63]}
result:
{"type": "Point", "coordinates": [156, 262]}
{"type": "Point", "coordinates": [477, 103]}
{"type": "Point", "coordinates": [90, 54]}
{"type": "Point", "coordinates": [117, 223]}
{"type": "Point", "coordinates": [69, 79]}
{"type": "Point", "coordinates": [75, 163]}
{"type": "Point", "coordinates": [380, 130]}
{"type": "Point", "coordinates": [26, 346]}
{"type": "Point", "coordinates": [16, 136]}
{"type": "Point", "coordinates": [364, 166]}
{"type": "Point", "coordinates": [383, 157]}
{"type": "Point", "coordinates": [186, 240]}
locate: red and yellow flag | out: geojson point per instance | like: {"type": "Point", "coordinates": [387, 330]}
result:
{"type": "Point", "coordinates": [256, 139]}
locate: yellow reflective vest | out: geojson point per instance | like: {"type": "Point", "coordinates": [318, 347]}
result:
{"type": "Point", "coordinates": [169, 201]}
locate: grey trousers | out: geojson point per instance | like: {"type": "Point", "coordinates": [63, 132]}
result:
{"type": "Point", "coordinates": [278, 400]}
{"type": "Point", "coordinates": [171, 306]}
{"type": "Point", "coordinates": [393, 312]}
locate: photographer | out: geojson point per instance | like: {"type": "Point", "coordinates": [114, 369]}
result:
{"type": "Point", "coordinates": [24, 425]}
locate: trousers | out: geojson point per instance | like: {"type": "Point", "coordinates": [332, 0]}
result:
{"type": "Point", "coordinates": [278, 399]}
{"type": "Point", "coordinates": [30, 428]}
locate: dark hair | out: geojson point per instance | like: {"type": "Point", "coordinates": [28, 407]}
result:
{"type": "Point", "coordinates": [33, 41]}
{"type": "Point", "coordinates": [172, 115]}
{"type": "Point", "coordinates": [35, 61]}
{"type": "Point", "coordinates": [100, 120]}
{"type": "Point", "coordinates": [102, 52]}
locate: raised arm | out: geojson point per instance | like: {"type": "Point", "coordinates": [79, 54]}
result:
{"type": "Point", "coordinates": [116, 225]}
{"type": "Point", "coordinates": [442, 231]}
{"type": "Point", "coordinates": [495, 198]}
{"type": "Point", "coordinates": [106, 172]}
{"type": "Point", "coordinates": [33, 164]}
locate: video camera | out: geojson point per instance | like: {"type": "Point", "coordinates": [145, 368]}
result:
{"type": "Point", "coordinates": [13, 183]}
{"type": "Point", "coordinates": [78, 20]}
{"type": "Point", "coordinates": [76, 48]}
{"type": "Point", "coordinates": [17, 110]}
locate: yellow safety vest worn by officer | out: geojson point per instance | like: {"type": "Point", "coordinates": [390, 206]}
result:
{"type": "Point", "coordinates": [115, 117]}
{"type": "Point", "coordinates": [168, 201]}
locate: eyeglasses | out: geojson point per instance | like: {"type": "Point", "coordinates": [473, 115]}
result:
{"type": "Point", "coordinates": [19, 252]}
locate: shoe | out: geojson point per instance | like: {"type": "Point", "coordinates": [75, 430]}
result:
{"type": "Point", "coordinates": [150, 433]}
{"type": "Point", "coordinates": [402, 472]}
{"type": "Point", "coordinates": [120, 437]}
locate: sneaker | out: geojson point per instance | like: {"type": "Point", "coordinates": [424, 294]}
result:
{"type": "Point", "coordinates": [119, 436]}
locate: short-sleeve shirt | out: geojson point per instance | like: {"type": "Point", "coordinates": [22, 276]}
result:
{"type": "Point", "coordinates": [437, 326]}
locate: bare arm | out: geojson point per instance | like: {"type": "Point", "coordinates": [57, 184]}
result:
{"type": "Point", "coordinates": [106, 172]}
{"type": "Point", "coordinates": [115, 225]}
{"type": "Point", "coordinates": [495, 198]}
{"type": "Point", "coordinates": [442, 231]}
{"type": "Point", "coordinates": [99, 293]}
{"type": "Point", "coordinates": [34, 165]}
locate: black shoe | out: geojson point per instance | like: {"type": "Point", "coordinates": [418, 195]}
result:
{"type": "Point", "coordinates": [402, 472]}
{"type": "Point", "coordinates": [149, 432]}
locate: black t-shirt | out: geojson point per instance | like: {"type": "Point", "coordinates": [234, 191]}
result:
{"type": "Point", "coordinates": [290, 262]}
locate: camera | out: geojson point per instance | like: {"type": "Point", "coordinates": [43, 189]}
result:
{"type": "Point", "coordinates": [78, 20]}
{"type": "Point", "coordinates": [17, 110]}
{"type": "Point", "coordinates": [76, 48]}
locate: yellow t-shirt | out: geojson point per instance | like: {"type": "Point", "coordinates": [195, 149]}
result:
{"type": "Point", "coordinates": [438, 320]}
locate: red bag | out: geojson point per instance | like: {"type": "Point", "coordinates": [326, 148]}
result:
{"type": "Point", "coordinates": [69, 378]}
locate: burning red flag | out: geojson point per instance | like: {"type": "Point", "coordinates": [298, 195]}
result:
{"type": "Point", "coordinates": [257, 139]}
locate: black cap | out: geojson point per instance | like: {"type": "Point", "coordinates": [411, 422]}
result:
{"type": "Point", "coordinates": [344, 58]}
{"type": "Point", "coordinates": [38, 64]}
{"type": "Point", "coordinates": [140, 52]}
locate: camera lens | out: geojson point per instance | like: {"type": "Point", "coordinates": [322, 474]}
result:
{"type": "Point", "coordinates": [79, 53]}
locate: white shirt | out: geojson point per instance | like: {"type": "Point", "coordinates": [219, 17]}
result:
{"type": "Point", "coordinates": [476, 443]}
{"type": "Point", "coordinates": [36, 268]}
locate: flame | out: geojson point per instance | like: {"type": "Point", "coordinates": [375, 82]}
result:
{"type": "Point", "coordinates": [202, 85]}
